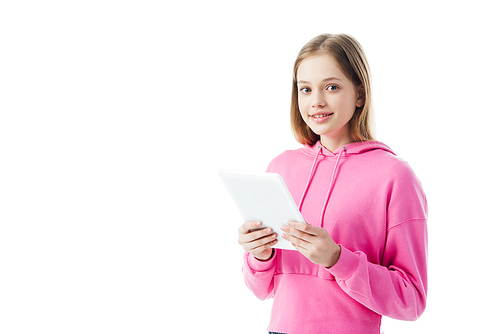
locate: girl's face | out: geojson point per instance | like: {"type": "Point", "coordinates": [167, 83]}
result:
{"type": "Point", "coordinates": [327, 99]}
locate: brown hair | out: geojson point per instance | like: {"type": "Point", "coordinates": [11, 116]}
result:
{"type": "Point", "coordinates": [351, 59]}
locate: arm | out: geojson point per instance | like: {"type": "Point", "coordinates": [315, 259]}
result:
{"type": "Point", "coordinates": [397, 285]}
{"type": "Point", "coordinates": [259, 275]}
{"type": "Point", "coordinates": [260, 259]}
{"type": "Point", "coordinates": [397, 288]}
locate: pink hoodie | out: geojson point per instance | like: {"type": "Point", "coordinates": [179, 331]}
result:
{"type": "Point", "coordinates": [373, 206]}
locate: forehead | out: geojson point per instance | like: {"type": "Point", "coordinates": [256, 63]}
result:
{"type": "Point", "coordinates": [318, 67]}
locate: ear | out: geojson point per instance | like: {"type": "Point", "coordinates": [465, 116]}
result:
{"type": "Point", "coordinates": [361, 96]}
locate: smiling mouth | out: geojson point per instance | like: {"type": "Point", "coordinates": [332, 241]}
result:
{"type": "Point", "coordinates": [321, 115]}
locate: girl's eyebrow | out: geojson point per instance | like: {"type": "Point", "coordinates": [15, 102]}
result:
{"type": "Point", "coordinates": [326, 79]}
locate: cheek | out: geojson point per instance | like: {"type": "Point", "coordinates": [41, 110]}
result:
{"type": "Point", "coordinates": [303, 112]}
{"type": "Point", "coordinates": [347, 104]}
{"type": "Point", "coordinates": [302, 106]}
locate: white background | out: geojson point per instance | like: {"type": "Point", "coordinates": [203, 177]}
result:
{"type": "Point", "coordinates": [115, 116]}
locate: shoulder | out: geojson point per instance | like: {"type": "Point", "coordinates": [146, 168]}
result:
{"type": "Point", "coordinates": [392, 175]}
{"type": "Point", "coordinates": [285, 159]}
{"type": "Point", "coordinates": [401, 171]}
{"type": "Point", "coordinates": [388, 165]}
{"type": "Point", "coordinates": [392, 178]}
{"type": "Point", "coordinates": [406, 196]}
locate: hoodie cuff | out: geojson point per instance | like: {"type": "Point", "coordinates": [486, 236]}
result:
{"type": "Point", "coordinates": [345, 266]}
{"type": "Point", "coordinates": [257, 265]}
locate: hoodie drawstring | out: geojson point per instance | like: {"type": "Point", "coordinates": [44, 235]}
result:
{"type": "Point", "coordinates": [334, 173]}
{"type": "Point", "coordinates": [313, 169]}
{"type": "Point", "coordinates": [330, 187]}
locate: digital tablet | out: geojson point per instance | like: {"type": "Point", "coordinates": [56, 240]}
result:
{"type": "Point", "coordinates": [262, 197]}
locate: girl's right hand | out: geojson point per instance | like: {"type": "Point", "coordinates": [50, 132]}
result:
{"type": "Point", "coordinates": [257, 242]}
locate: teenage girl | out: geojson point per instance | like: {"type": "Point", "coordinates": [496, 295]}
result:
{"type": "Point", "coordinates": [363, 252]}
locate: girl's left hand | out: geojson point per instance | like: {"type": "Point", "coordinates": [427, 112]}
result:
{"type": "Point", "coordinates": [315, 243]}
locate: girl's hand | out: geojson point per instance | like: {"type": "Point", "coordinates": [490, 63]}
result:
{"type": "Point", "coordinates": [259, 242]}
{"type": "Point", "coordinates": [315, 243]}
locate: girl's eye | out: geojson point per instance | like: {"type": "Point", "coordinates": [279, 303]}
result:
{"type": "Point", "coordinates": [332, 88]}
{"type": "Point", "coordinates": [305, 90]}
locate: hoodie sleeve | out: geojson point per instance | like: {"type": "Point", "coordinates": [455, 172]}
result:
{"type": "Point", "coordinates": [397, 286]}
{"type": "Point", "coordinates": [259, 275]}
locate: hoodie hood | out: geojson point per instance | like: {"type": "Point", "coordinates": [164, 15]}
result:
{"type": "Point", "coordinates": [349, 149]}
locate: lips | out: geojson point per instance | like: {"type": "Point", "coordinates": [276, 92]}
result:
{"type": "Point", "coordinates": [320, 117]}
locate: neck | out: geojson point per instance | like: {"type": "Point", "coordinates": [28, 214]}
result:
{"type": "Point", "coordinates": [331, 144]}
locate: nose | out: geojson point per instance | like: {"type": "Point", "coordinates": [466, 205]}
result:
{"type": "Point", "coordinates": [318, 101]}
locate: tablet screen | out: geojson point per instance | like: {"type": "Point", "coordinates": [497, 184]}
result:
{"type": "Point", "coordinates": [263, 197]}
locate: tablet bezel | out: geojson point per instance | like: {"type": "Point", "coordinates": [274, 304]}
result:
{"type": "Point", "coordinates": [262, 197]}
